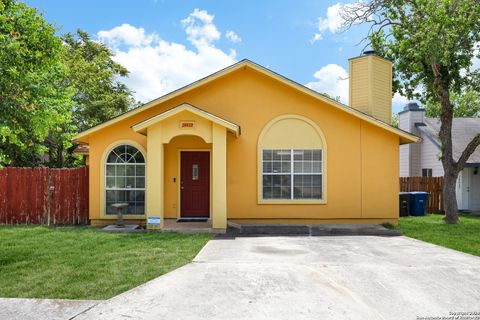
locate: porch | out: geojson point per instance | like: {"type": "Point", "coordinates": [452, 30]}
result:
{"type": "Point", "coordinates": [186, 175]}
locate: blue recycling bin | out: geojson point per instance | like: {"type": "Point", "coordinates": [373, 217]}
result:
{"type": "Point", "coordinates": [418, 203]}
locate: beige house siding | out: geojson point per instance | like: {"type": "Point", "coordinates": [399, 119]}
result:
{"type": "Point", "coordinates": [359, 92]}
{"type": "Point", "coordinates": [404, 160]}
{"type": "Point", "coordinates": [410, 155]}
{"type": "Point", "coordinates": [381, 90]}
{"type": "Point", "coordinates": [429, 153]}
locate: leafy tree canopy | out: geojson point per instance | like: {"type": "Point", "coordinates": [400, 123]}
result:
{"type": "Point", "coordinates": [465, 104]}
{"type": "Point", "coordinates": [99, 96]}
{"type": "Point", "coordinates": [51, 87]}
{"type": "Point", "coordinates": [34, 99]}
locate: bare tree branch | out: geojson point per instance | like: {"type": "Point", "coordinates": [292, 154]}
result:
{"type": "Point", "coordinates": [469, 150]}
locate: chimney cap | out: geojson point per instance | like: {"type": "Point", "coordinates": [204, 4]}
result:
{"type": "Point", "coordinates": [368, 53]}
{"type": "Point", "coordinates": [412, 106]}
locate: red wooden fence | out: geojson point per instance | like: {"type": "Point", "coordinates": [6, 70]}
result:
{"type": "Point", "coordinates": [24, 196]}
{"type": "Point", "coordinates": [432, 185]}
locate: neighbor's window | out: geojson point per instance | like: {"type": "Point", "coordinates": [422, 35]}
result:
{"type": "Point", "coordinates": [292, 174]}
{"type": "Point", "coordinates": [426, 172]}
{"type": "Point", "coordinates": [125, 180]}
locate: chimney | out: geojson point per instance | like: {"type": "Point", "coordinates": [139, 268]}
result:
{"type": "Point", "coordinates": [410, 117]}
{"type": "Point", "coordinates": [371, 85]}
{"type": "Point", "coordinates": [409, 120]}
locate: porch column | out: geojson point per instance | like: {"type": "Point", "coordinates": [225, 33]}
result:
{"type": "Point", "coordinates": [219, 176]}
{"type": "Point", "coordinates": [154, 172]}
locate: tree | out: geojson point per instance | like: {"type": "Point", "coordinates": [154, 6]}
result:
{"type": "Point", "coordinates": [34, 99]}
{"type": "Point", "coordinates": [51, 87]}
{"type": "Point", "coordinates": [465, 104]}
{"type": "Point", "coordinates": [395, 120]}
{"type": "Point", "coordinates": [97, 93]}
{"type": "Point", "coordinates": [431, 43]}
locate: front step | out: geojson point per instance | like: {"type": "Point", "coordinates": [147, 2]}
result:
{"type": "Point", "coordinates": [312, 230]}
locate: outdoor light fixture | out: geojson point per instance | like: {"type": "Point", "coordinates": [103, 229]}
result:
{"type": "Point", "coordinates": [475, 171]}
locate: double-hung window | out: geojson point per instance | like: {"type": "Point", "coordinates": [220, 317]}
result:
{"type": "Point", "coordinates": [426, 172]}
{"type": "Point", "coordinates": [292, 174]}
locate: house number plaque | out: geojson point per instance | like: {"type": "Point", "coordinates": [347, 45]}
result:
{"type": "Point", "coordinates": [187, 124]}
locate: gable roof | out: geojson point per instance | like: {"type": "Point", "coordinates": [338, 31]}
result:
{"type": "Point", "coordinates": [463, 131]}
{"type": "Point", "coordinates": [143, 125]}
{"type": "Point", "coordinates": [405, 137]}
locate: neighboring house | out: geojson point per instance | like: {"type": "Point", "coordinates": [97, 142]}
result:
{"type": "Point", "coordinates": [249, 145]}
{"type": "Point", "coordinates": [422, 158]}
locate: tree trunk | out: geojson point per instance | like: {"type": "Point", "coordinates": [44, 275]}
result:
{"type": "Point", "coordinates": [60, 155]}
{"type": "Point", "coordinates": [448, 162]}
{"type": "Point", "coordinates": [451, 167]}
{"type": "Point", "coordinates": [450, 198]}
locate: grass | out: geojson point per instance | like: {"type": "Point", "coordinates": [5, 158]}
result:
{"type": "Point", "coordinates": [464, 236]}
{"type": "Point", "coordinates": [84, 263]}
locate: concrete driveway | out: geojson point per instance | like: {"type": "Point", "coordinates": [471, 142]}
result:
{"type": "Point", "coordinates": [357, 277]}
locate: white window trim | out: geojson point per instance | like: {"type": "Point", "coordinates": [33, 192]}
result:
{"type": "Point", "coordinates": [103, 168]}
{"type": "Point", "coordinates": [292, 174]}
{"type": "Point", "coordinates": [322, 145]}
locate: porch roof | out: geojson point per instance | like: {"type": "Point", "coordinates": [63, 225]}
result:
{"type": "Point", "coordinates": [142, 126]}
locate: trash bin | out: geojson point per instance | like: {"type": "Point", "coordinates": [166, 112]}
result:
{"type": "Point", "coordinates": [404, 203]}
{"type": "Point", "coordinates": [418, 203]}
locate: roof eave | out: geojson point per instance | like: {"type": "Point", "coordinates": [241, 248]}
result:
{"type": "Point", "coordinates": [142, 126]}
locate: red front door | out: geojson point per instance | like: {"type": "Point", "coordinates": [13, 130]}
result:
{"type": "Point", "coordinates": [195, 184]}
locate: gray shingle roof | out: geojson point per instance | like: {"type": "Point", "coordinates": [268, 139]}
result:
{"type": "Point", "coordinates": [463, 131]}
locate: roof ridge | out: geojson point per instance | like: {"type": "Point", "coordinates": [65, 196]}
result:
{"type": "Point", "coordinates": [405, 137]}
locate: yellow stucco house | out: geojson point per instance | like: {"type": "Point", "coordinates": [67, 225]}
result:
{"type": "Point", "coordinates": [248, 145]}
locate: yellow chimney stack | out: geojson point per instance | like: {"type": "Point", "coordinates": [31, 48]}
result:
{"type": "Point", "coordinates": [371, 86]}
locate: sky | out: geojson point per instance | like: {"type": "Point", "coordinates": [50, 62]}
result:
{"type": "Point", "coordinates": [166, 44]}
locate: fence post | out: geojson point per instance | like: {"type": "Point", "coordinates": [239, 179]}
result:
{"type": "Point", "coordinates": [48, 196]}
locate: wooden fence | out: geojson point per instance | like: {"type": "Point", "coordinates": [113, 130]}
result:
{"type": "Point", "coordinates": [432, 185]}
{"type": "Point", "coordinates": [44, 196]}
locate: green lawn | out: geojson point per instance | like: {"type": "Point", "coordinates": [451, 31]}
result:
{"type": "Point", "coordinates": [85, 263]}
{"type": "Point", "coordinates": [464, 236]}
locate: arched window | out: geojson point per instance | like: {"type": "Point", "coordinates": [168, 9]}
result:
{"type": "Point", "coordinates": [125, 179]}
{"type": "Point", "coordinates": [291, 161]}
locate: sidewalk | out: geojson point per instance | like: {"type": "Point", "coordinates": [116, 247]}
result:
{"type": "Point", "coordinates": [43, 309]}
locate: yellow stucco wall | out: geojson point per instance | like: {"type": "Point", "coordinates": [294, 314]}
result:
{"type": "Point", "coordinates": [100, 144]}
{"type": "Point", "coordinates": [362, 164]}
{"type": "Point", "coordinates": [378, 150]}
